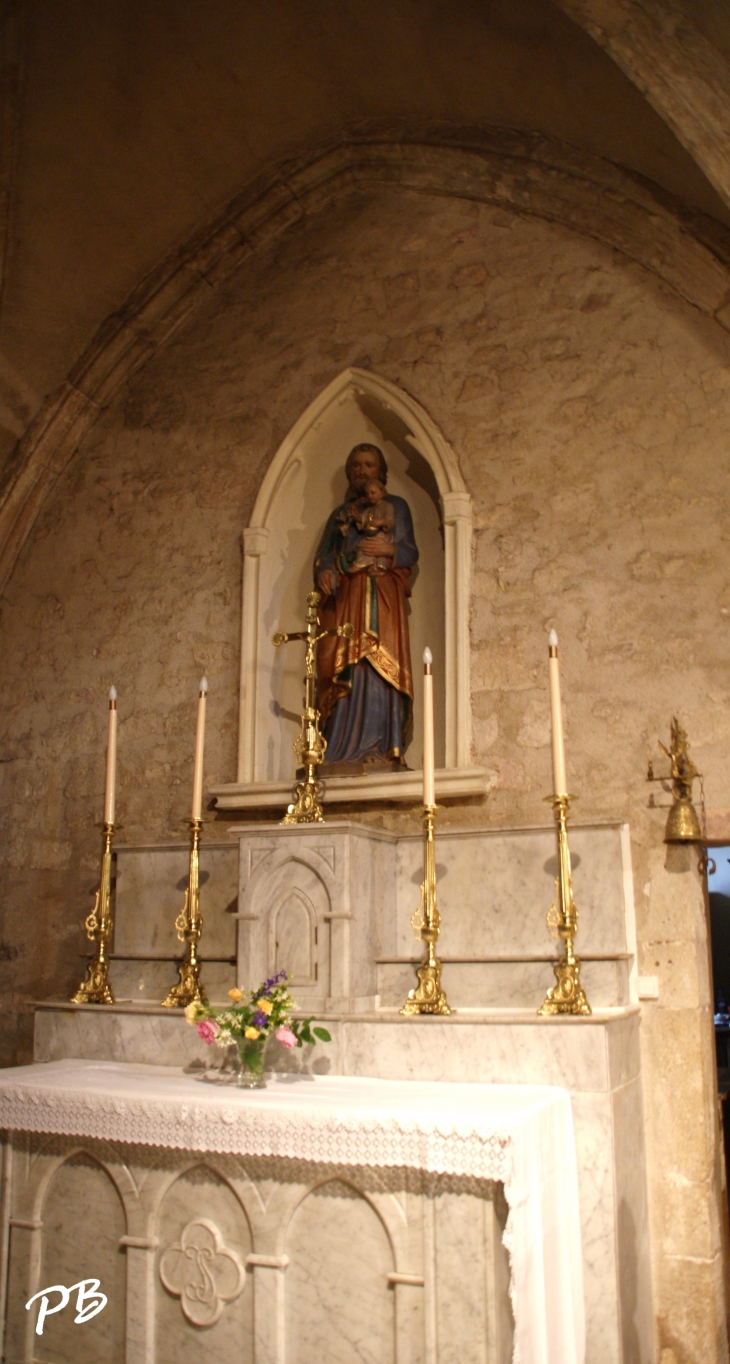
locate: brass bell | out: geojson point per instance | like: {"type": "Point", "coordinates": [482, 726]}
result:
{"type": "Point", "coordinates": [683, 825]}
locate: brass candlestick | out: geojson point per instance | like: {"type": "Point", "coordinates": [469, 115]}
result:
{"type": "Point", "coordinates": [683, 825]}
{"type": "Point", "coordinates": [99, 928]}
{"type": "Point", "coordinates": [568, 995]}
{"type": "Point", "coordinates": [428, 997]}
{"type": "Point", "coordinates": [189, 926]}
{"type": "Point", "coordinates": [310, 744]}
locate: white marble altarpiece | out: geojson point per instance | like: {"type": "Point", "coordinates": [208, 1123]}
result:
{"type": "Point", "coordinates": [314, 1258]}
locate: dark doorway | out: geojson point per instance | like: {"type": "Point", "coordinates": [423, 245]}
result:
{"type": "Point", "coordinates": [718, 885]}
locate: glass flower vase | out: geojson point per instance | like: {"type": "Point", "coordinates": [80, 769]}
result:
{"type": "Point", "coordinates": [251, 1063]}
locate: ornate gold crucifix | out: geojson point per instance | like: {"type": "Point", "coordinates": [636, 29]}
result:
{"type": "Point", "coordinates": [310, 744]}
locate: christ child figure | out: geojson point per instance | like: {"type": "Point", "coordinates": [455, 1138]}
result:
{"type": "Point", "coordinates": [375, 518]}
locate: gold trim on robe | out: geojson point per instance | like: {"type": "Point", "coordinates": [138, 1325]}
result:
{"type": "Point", "coordinates": [376, 606]}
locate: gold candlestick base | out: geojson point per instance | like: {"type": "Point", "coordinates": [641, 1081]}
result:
{"type": "Point", "coordinates": [189, 926]}
{"type": "Point", "coordinates": [567, 996]}
{"type": "Point", "coordinates": [99, 928]}
{"type": "Point", "coordinates": [428, 996]}
{"type": "Point", "coordinates": [307, 796]}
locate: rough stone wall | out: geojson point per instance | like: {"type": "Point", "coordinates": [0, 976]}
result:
{"type": "Point", "coordinates": [125, 124]}
{"type": "Point", "coordinates": [589, 408]}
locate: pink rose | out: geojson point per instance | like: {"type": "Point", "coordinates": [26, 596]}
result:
{"type": "Point", "coordinates": [208, 1030]}
{"type": "Point", "coordinates": [286, 1037]}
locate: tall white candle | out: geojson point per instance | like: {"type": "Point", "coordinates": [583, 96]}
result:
{"type": "Point", "coordinates": [556, 716]}
{"type": "Point", "coordinates": [429, 796]}
{"type": "Point", "coordinates": [197, 809]}
{"type": "Point", "coordinates": [111, 760]}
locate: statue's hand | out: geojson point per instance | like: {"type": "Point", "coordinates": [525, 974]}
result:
{"type": "Point", "coordinates": [326, 583]}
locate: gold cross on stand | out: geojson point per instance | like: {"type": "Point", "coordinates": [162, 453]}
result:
{"type": "Point", "coordinates": [310, 744]}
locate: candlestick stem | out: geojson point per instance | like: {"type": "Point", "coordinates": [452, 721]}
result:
{"type": "Point", "coordinates": [567, 996]}
{"type": "Point", "coordinates": [310, 744]}
{"type": "Point", "coordinates": [99, 925]}
{"type": "Point", "coordinates": [428, 997]}
{"type": "Point", "coordinates": [189, 926]}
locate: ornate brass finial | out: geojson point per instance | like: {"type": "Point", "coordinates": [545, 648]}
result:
{"type": "Point", "coordinates": [683, 825]}
{"type": "Point", "coordinates": [310, 744]}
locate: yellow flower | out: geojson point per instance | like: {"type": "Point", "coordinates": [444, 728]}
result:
{"type": "Point", "coordinates": [235, 995]}
{"type": "Point", "coordinates": [251, 1034]}
{"type": "Point", "coordinates": [191, 1013]}
{"type": "Point", "coordinates": [264, 1005]}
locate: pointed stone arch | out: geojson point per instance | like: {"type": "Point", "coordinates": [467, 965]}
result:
{"type": "Point", "coordinates": [390, 414]}
{"type": "Point", "coordinates": [524, 173]}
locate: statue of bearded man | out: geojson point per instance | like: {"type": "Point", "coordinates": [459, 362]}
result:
{"type": "Point", "coordinates": [362, 568]}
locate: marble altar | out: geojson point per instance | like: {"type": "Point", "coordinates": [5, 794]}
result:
{"type": "Point", "coordinates": [365, 1215]}
{"type": "Point", "coordinates": [340, 895]}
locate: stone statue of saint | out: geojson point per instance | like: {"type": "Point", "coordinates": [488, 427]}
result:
{"type": "Point", "coordinates": [362, 569]}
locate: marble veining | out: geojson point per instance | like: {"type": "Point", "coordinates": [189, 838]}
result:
{"type": "Point", "coordinates": [257, 1259]}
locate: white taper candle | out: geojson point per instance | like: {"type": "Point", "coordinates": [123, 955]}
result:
{"type": "Point", "coordinates": [556, 716]}
{"type": "Point", "coordinates": [429, 794]}
{"type": "Point", "coordinates": [197, 809]}
{"type": "Point", "coordinates": [111, 760]}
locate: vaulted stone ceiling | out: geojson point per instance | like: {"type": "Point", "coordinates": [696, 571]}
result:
{"type": "Point", "coordinates": [129, 125]}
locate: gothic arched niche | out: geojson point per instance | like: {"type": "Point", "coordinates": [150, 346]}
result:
{"type": "Point", "coordinates": [304, 482]}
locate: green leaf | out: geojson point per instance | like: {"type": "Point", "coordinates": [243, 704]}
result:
{"type": "Point", "coordinates": [322, 1034]}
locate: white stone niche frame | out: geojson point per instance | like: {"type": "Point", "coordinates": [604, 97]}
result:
{"type": "Point", "coordinates": [256, 786]}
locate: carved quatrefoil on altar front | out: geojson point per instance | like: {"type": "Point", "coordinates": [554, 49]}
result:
{"type": "Point", "coordinates": [203, 1272]}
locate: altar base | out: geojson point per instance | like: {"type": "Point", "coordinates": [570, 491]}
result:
{"type": "Point", "coordinates": [333, 1218]}
{"type": "Point", "coordinates": [596, 1059]}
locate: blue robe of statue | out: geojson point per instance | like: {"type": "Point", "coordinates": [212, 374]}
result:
{"type": "Point", "coordinates": [365, 683]}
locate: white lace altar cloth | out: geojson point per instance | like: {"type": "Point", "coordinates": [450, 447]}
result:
{"type": "Point", "coordinates": [520, 1135]}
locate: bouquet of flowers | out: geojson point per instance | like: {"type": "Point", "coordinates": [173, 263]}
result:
{"type": "Point", "coordinates": [250, 1020]}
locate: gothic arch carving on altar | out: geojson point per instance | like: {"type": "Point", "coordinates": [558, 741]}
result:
{"type": "Point", "coordinates": [286, 920]}
{"type": "Point", "coordinates": [337, 1238]}
{"type": "Point", "coordinates": [67, 1245]}
{"type": "Point", "coordinates": [304, 480]}
{"type": "Point", "coordinates": [204, 1235]}
{"type": "Point", "coordinates": [293, 934]}
{"type": "Point", "coordinates": [47, 1164]}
